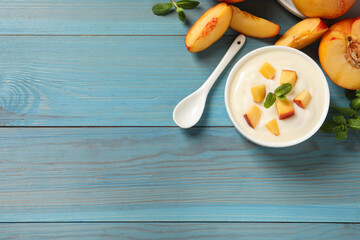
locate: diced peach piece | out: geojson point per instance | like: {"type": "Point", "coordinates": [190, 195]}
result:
{"type": "Point", "coordinates": [252, 116]}
{"type": "Point", "coordinates": [339, 53]}
{"type": "Point", "coordinates": [267, 70]}
{"type": "Point", "coordinates": [209, 28]}
{"type": "Point", "coordinates": [285, 108]}
{"type": "Point", "coordinates": [273, 127]}
{"type": "Point", "coordinates": [323, 8]}
{"type": "Point", "coordinates": [258, 93]}
{"type": "Point", "coordinates": [288, 76]}
{"type": "Point", "coordinates": [302, 99]}
{"type": "Point", "coordinates": [253, 26]}
{"type": "Point", "coordinates": [303, 33]}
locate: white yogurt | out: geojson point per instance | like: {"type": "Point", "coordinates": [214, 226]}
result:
{"type": "Point", "coordinates": [310, 77]}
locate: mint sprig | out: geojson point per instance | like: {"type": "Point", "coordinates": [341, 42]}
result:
{"type": "Point", "coordinates": [348, 118]}
{"type": "Point", "coordinates": [280, 93]}
{"type": "Point", "coordinates": [161, 9]}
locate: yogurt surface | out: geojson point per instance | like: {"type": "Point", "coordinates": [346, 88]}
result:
{"type": "Point", "coordinates": [309, 77]}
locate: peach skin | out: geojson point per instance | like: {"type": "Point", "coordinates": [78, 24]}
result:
{"type": "Point", "coordinates": [303, 33]}
{"type": "Point", "coordinates": [253, 26]}
{"type": "Point", "coordinates": [323, 8]}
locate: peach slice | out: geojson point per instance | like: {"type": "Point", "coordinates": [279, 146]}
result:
{"type": "Point", "coordinates": [258, 93]}
{"type": "Point", "coordinates": [285, 108]}
{"type": "Point", "coordinates": [339, 53]}
{"type": "Point", "coordinates": [252, 116]}
{"type": "Point", "coordinates": [267, 70]}
{"type": "Point", "coordinates": [302, 99]}
{"type": "Point", "coordinates": [323, 8]}
{"type": "Point", "coordinates": [288, 76]}
{"type": "Point", "coordinates": [250, 25]}
{"type": "Point", "coordinates": [209, 28]}
{"type": "Point", "coordinates": [303, 33]}
{"type": "Point", "coordinates": [273, 127]}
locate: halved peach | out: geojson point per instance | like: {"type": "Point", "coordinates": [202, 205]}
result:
{"type": "Point", "coordinates": [302, 99]}
{"type": "Point", "coordinates": [252, 116]}
{"type": "Point", "coordinates": [273, 127]}
{"type": "Point", "coordinates": [209, 28]}
{"type": "Point", "coordinates": [267, 70]}
{"type": "Point", "coordinates": [288, 76]}
{"type": "Point", "coordinates": [285, 108]}
{"type": "Point", "coordinates": [339, 53]}
{"type": "Point", "coordinates": [258, 93]}
{"type": "Point", "coordinates": [323, 8]}
{"type": "Point", "coordinates": [303, 33]}
{"type": "Point", "coordinates": [253, 26]}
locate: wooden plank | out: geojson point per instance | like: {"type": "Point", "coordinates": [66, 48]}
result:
{"type": "Point", "coordinates": [268, 231]}
{"type": "Point", "coordinates": [110, 81]}
{"type": "Point", "coordinates": [113, 17]}
{"type": "Point", "coordinates": [166, 174]}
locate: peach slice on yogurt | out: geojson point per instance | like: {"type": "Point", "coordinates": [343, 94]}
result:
{"type": "Point", "coordinates": [288, 76]}
{"type": "Point", "coordinates": [284, 108]}
{"type": "Point", "coordinates": [302, 99]}
{"type": "Point", "coordinates": [303, 33]}
{"type": "Point", "coordinates": [273, 127]}
{"type": "Point", "coordinates": [267, 70]}
{"type": "Point", "coordinates": [209, 28]}
{"type": "Point", "coordinates": [252, 116]}
{"type": "Point", "coordinates": [258, 93]}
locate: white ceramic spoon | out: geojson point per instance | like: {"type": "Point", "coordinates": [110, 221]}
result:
{"type": "Point", "coordinates": [189, 111]}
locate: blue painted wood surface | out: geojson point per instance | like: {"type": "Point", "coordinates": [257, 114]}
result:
{"type": "Point", "coordinates": [166, 174]}
{"type": "Point", "coordinates": [111, 81]}
{"type": "Point", "coordinates": [96, 63]}
{"type": "Point", "coordinates": [181, 231]}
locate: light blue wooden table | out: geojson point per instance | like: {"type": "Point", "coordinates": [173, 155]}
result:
{"type": "Point", "coordinates": [88, 148]}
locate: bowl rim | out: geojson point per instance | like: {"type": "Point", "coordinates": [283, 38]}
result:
{"type": "Point", "coordinates": [316, 127]}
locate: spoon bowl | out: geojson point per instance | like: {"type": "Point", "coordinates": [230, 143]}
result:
{"type": "Point", "coordinates": [189, 111]}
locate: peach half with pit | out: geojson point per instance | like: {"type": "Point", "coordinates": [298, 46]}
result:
{"type": "Point", "coordinates": [339, 53]}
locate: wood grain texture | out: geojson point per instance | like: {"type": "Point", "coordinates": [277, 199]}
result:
{"type": "Point", "coordinates": [113, 17]}
{"type": "Point", "coordinates": [111, 81]}
{"type": "Point", "coordinates": [180, 231]}
{"type": "Point", "coordinates": [166, 174]}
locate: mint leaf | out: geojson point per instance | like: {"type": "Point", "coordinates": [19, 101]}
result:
{"type": "Point", "coordinates": [181, 14]}
{"type": "Point", "coordinates": [355, 104]}
{"type": "Point", "coordinates": [162, 9]}
{"type": "Point", "coordinates": [329, 127]}
{"type": "Point", "coordinates": [187, 4]}
{"type": "Point", "coordinates": [341, 135]}
{"type": "Point", "coordinates": [283, 89]}
{"type": "Point", "coordinates": [339, 119]}
{"type": "Point", "coordinates": [270, 100]}
{"type": "Point", "coordinates": [282, 97]}
{"type": "Point", "coordinates": [357, 93]}
{"type": "Point", "coordinates": [344, 111]}
{"type": "Point", "coordinates": [354, 123]}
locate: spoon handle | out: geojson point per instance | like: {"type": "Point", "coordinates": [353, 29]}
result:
{"type": "Point", "coordinates": [231, 52]}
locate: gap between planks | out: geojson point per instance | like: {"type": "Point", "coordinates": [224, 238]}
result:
{"type": "Point", "coordinates": [160, 222]}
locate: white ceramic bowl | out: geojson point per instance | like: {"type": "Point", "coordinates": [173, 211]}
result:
{"type": "Point", "coordinates": [267, 51]}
